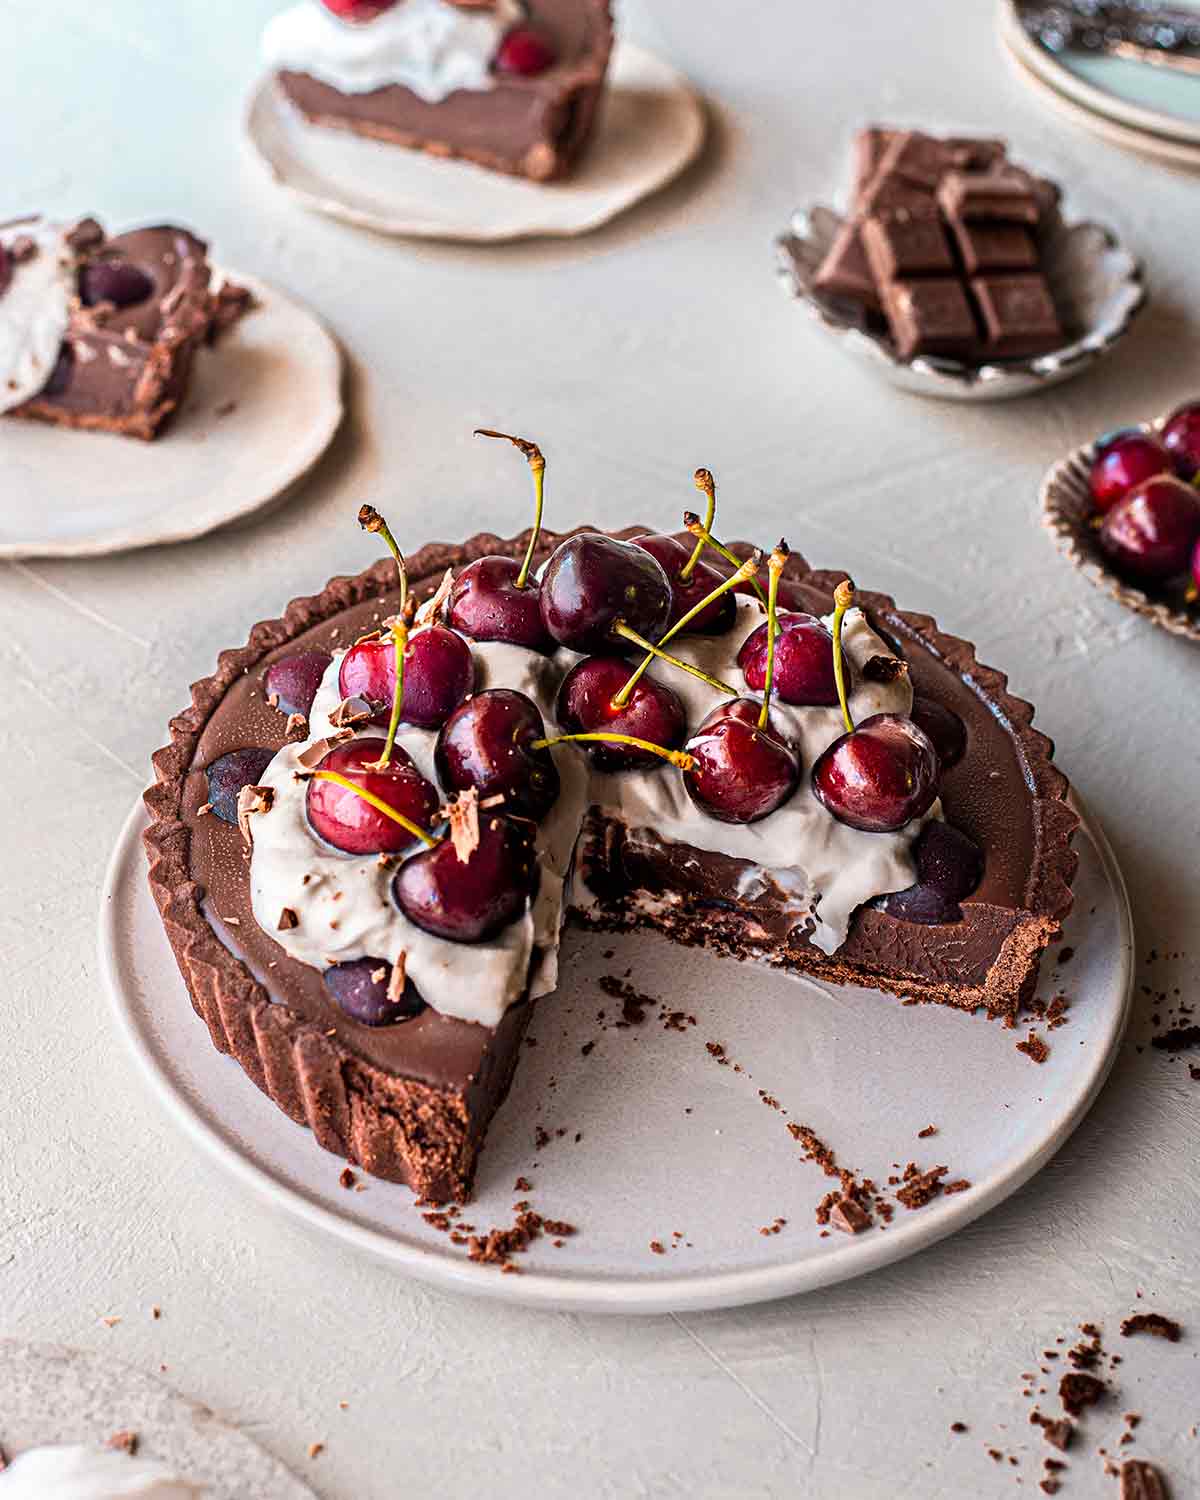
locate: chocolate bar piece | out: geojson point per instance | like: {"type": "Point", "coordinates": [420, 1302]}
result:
{"type": "Point", "coordinates": [921, 159]}
{"type": "Point", "coordinates": [889, 193]}
{"type": "Point", "coordinates": [869, 148]}
{"type": "Point", "coordinates": [994, 247]}
{"type": "Point", "coordinates": [845, 271]}
{"type": "Point", "coordinates": [1018, 313]}
{"type": "Point", "coordinates": [930, 317]}
{"type": "Point", "coordinates": [901, 248]}
{"type": "Point", "coordinates": [991, 197]}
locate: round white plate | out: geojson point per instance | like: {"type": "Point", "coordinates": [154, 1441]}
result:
{"type": "Point", "coordinates": [1135, 105]}
{"type": "Point", "coordinates": [651, 127]}
{"type": "Point", "coordinates": [657, 1136]}
{"type": "Point", "coordinates": [58, 1395]}
{"type": "Point", "coordinates": [263, 406]}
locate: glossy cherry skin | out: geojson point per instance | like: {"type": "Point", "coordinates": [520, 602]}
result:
{"type": "Point", "coordinates": [229, 773]}
{"type": "Point", "coordinates": [293, 680]}
{"type": "Point", "coordinates": [672, 555]}
{"type": "Point", "coordinates": [1150, 534]}
{"type": "Point", "coordinates": [439, 672]}
{"type": "Point", "coordinates": [591, 582]}
{"type": "Point", "coordinates": [654, 712]}
{"type": "Point", "coordinates": [486, 604]}
{"type": "Point", "coordinates": [350, 823]}
{"type": "Point", "coordinates": [1181, 439]}
{"type": "Point", "coordinates": [472, 899]}
{"type": "Point", "coordinates": [803, 662]}
{"type": "Point", "coordinates": [360, 988]}
{"type": "Point", "coordinates": [878, 777]}
{"type": "Point", "coordinates": [485, 744]}
{"type": "Point", "coordinates": [1123, 460]}
{"type": "Point", "coordinates": [944, 728]}
{"type": "Point", "coordinates": [949, 868]}
{"type": "Point", "coordinates": [357, 10]}
{"type": "Point", "coordinates": [742, 773]}
{"type": "Point", "coordinates": [525, 52]}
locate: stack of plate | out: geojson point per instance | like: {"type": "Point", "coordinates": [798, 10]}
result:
{"type": "Point", "coordinates": [1155, 110]}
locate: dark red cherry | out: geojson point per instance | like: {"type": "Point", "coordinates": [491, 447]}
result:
{"type": "Point", "coordinates": [592, 581]}
{"type": "Point", "coordinates": [486, 604]}
{"type": "Point", "coordinates": [742, 772]}
{"type": "Point", "coordinates": [348, 821]}
{"type": "Point", "coordinates": [1181, 439]}
{"type": "Point", "coordinates": [229, 773]}
{"type": "Point", "coordinates": [654, 712]}
{"type": "Point", "coordinates": [1150, 534]}
{"type": "Point", "coordinates": [1123, 460]}
{"type": "Point", "coordinates": [944, 728]}
{"type": "Point", "coordinates": [115, 281]}
{"type": "Point", "coordinates": [293, 680]}
{"type": "Point", "coordinates": [879, 776]}
{"type": "Point", "coordinates": [472, 899]}
{"type": "Point", "coordinates": [358, 11]}
{"type": "Point", "coordinates": [524, 52]}
{"type": "Point", "coordinates": [439, 672]}
{"type": "Point", "coordinates": [360, 988]}
{"type": "Point", "coordinates": [672, 556]}
{"type": "Point", "coordinates": [803, 661]}
{"type": "Point", "coordinates": [485, 744]}
{"type": "Point", "coordinates": [949, 868]}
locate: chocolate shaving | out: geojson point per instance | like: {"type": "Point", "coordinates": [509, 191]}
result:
{"type": "Point", "coordinates": [296, 724]}
{"type": "Point", "coordinates": [287, 920]}
{"type": "Point", "coordinates": [350, 712]}
{"type": "Point", "coordinates": [431, 611]}
{"type": "Point", "coordinates": [884, 669]}
{"type": "Point", "coordinates": [849, 1216]}
{"type": "Point", "coordinates": [312, 757]}
{"type": "Point", "coordinates": [253, 799]}
{"type": "Point", "coordinates": [395, 989]}
{"type": "Point", "coordinates": [463, 813]}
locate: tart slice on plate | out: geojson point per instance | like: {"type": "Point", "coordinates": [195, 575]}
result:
{"type": "Point", "coordinates": [373, 819]}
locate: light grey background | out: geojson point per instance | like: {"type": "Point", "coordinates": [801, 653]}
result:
{"type": "Point", "coordinates": [656, 345]}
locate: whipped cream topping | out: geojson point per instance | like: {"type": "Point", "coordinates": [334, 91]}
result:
{"type": "Point", "coordinates": [428, 46]}
{"type": "Point", "coordinates": [79, 1472]}
{"type": "Point", "coordinates": [35, 309]}
{"type": "Point", "coordinates": [823, 868]}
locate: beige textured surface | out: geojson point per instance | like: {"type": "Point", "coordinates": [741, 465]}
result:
{"type": "Point", "coordinates": [660, 343]}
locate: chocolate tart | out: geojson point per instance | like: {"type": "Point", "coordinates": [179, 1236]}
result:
{"type": "Point", "coordinates": [126, 369]}
{"type": "Point", "coordinates": [533, 127]}
{"type": "Point", "coordinates": [412, 1102]}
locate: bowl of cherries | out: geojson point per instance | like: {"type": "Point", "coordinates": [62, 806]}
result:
{"type": "Point", "coordinates": [1126, 511]}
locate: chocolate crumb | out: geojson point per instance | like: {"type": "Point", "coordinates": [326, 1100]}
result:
{"type": "Point", "coordinates": [1155, 1323]}
{"type": "Point", "coordinates": [958, 1427]}
{"type": "Point", "coordinates": [156, 1313]}
{"type": "Point", "coordinates": [1066, 955]}
{"type": "Point", "coordinates": [124, 1442]}
{"type": "Point", "coordinates": [959, 1185]}
{"type": "Point", "coordinates": [923, 1135]}
{"type": "Point", "coordinates": [522, 1185]}
{"type": "Point", "coordinates": [1078, 1391]}
{"type": "Point", "coordinates": [347, 1178]}
{"type": "Point", "coordinates": [658, 1247]}
{"type": "Point", "coordinates": [1142, 1481]}
{"type": "Point", "coordinates": [1058, 1432]}
{"type": "Point", "coordinates": [315, 1450]}
{"type": "Point", "coordinates": [1034, 1047]}
{"type": "Point", "coordinates": [921, 1187]}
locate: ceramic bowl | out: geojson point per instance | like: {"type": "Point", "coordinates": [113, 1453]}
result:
{"type": "Point", "coordinates": [1067, 513]}
{"type": "Point", "coordinates": [1097, 285]}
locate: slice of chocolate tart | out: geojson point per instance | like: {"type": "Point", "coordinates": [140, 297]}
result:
{"type": "Point", "coordinates": [397, 1061]}
{"type": "Point", "coordinates": [511, 85]}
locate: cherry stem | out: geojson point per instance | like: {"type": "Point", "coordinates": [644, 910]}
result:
{"type": "Point", "coordinates": [537, 464]}
{"type": "Point", "coordinates": [379, 804]}
{"type": "Point", "coordinates": [679, 758]}
{"type": "Point", "coordinates": [707, 486]}
{"type": "Point", "coordinates": [693, 524]}
{"type": "Point", "coordinates": [370, 520]}
{"type": "Point", "coordinates": [623, 630]}
{"type": "Point", "coordinates": [745, 570]}
{"type": "Point", "coordinates": [843, 598]}
{"type": "Point", "coordinates": [775, 566]}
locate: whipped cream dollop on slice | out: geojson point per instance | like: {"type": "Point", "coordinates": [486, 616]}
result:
{"type": "Point", "coordinates": [823, 869]}
{"type": "Point", "coordinates": [78, 1471]}
{"type": "Point", "coordinates": [35, 309]}
{"type": "Point", "coordinates": [428, 46]}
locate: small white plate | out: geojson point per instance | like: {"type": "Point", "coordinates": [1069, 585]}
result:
{"type": "Point", "coordinates": [263, 405]}
{"type": "Point", "coordinates": [657, 1137]}
{"type": "Point", "coordinates": [58, 1395]}
{"type": "Point", "coordinates": [651, 127]}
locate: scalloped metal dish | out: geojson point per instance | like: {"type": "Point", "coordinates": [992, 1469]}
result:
{"type": "Point", "coordinates": [1067, 514]}
{"type": "Point", "coordinates": [1097, 284]}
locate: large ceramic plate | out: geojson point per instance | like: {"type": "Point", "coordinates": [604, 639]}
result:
{"type": "Point", "coordinates": [263, 406]}
{"type": "Point", "coordinates": [1150, 109]}
{"type": "Point", "coordinates": [651, 127]}
{"type": "Point", "coordinates": [657, 1135]}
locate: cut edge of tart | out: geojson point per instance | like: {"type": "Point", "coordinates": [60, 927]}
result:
{"type": "Point", "coordinates": [426, 1132]}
